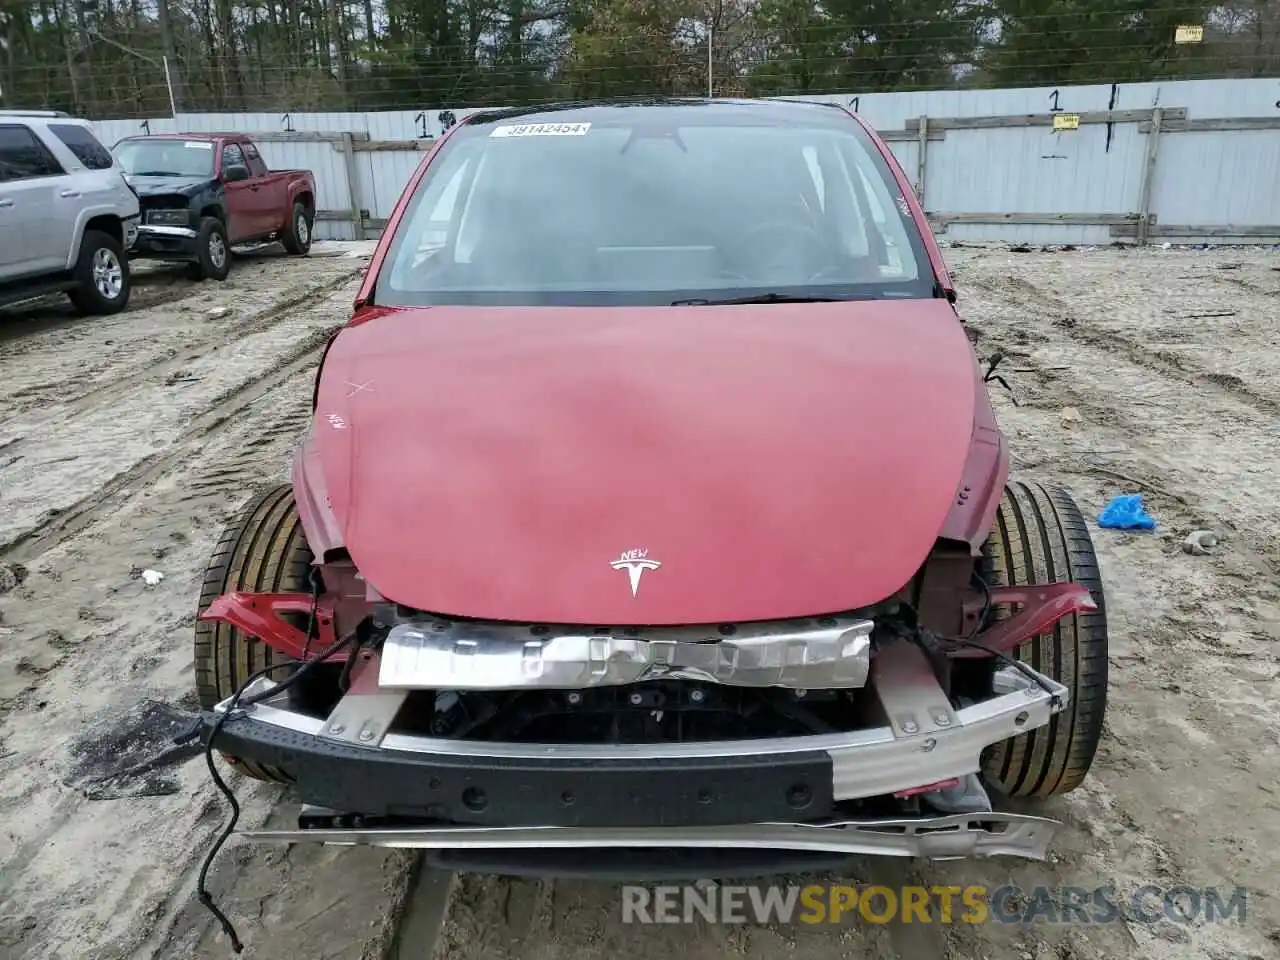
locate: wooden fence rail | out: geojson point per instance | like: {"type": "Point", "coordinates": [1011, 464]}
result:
{"type": "Point", "coordinates": [1139, 225]}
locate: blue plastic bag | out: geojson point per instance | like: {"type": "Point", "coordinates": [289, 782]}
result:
{"type": "Point", "coordinates": [1126, 513]}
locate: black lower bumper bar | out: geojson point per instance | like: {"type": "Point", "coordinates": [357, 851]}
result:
{"type": "Point", "coordinates": [502, 791]}
{"type": "Point", "coordinates": [786, 793]}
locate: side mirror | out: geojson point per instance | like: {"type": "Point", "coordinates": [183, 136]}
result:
{"type": "Point", "coordinates": [235, 172]}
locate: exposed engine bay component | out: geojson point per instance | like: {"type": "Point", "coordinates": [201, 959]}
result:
{"type": "Point", "coordinates": [654, 711]}
{"type": "Point", "coordinates": [833, 653]}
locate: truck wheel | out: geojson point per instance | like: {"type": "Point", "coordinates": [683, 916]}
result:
{"type": "Point", "coordinates": [297, 236]}
{"type": "Point", "coordinates": [101, 274]}
{"type": "Point", "coordinates": [1040, 537]}
{"type": "Point", "coordinates": [213, 251]}
{"type": "Point", "coordinates": [262, 549]}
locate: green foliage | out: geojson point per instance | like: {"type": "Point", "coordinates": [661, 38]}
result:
{"type": "Point", "coordinates": [905, 44]}
{"type": "Point", "coordinates": [632, 48]}
{"type": "Point", "coordinates": [104, 57]}
{"type": "Point", "coordinates": [1086, 41]}
{"type": "Point", "coordinates": [804, 45]}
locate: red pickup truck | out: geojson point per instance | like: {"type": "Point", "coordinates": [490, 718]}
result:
{"type": "Point", "coordinates": [202, 193]}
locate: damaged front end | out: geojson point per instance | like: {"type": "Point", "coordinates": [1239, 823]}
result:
{"type": "Point", "coordinates": [755, 746]}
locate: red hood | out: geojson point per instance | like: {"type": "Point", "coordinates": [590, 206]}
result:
{"type": "Point", "coordinates": [777, 460]}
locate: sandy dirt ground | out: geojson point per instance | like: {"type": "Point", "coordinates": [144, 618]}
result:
{"type": "Point", "coordinates": [126, 443]}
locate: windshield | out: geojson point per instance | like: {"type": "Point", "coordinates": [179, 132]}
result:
{"type": "Point", "coordinates": [165, 157]}
{"type": "Point", "coordinates": [654, 205]}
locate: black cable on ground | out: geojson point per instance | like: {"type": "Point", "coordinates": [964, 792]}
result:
{"type": "Point", "coordinates": [238, 700]}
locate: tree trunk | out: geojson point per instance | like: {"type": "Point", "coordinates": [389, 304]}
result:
{"type": "Point", "coordinates": [167, 48]}
{"type": "Point", "coordinates": [84, 45]}
{"type": "Point", "coordinates": [338, 52]}
{"type": "Point", "coordinates": [65, 37]}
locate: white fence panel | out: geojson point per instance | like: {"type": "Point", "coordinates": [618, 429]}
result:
{"type": "Point", "coordinates": [995, 168]}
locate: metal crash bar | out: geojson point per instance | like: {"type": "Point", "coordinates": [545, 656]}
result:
{"type": "Point", "coordinates": [923, 739]}
{"type": "Point", "coordinates": [439, 655]}
{"type": "Point", "coordinates": [955, 836]}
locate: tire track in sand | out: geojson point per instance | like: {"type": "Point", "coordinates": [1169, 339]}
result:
{"type": "Point", "coordinates": [213, 339]}
{"type": "Point", "coordinates": [73, 467]}
{"type": "Point", "coordinates": [1019, 293]}
{"type": "Point", "coordinates": [70, 521]}
{"type": "Point", "coordinates": [130, 644]}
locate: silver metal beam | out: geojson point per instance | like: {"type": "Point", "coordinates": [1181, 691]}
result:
{"type": "Point", "coordinates": [956, 836]}
{"type": "Point", "coordinates": [869, 762]}
{"type": "Point", "coordinates": [366, 711]}
{"type": "Point", "coordinates": [440, 655]}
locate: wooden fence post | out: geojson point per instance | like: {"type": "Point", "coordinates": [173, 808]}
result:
{"type": "Point", "coordinates": [922, 152]}
{"type": "Point", "coordinates": [353, 185]}
{"type": "Point", "coordinates": [1148, 177]}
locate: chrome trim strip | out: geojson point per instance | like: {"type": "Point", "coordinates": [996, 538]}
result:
{"type": "Point", "coordinates": [151, 229]}
{"type": "Point", "coordinates": [489, 656]}
{"type": "Point", "coordinates": [951, 837]}
{"type": "Point", "coordinates": [865, 763]}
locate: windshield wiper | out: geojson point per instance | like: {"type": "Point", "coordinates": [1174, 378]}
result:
{"type": "Point", "coordinates": [156, 173]}
{"type": "Point", "coordinates": [758, 298]}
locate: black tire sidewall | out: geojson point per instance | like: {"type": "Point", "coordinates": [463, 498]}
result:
{"type": "Point", "coordinates": [233, 565]}
{"type": "Point", "coordinates": [293, 242]}
{"type": "Point", "coordinates": [1049, 542]}
{"type": "Point", "coordinates": [225, 657]}
{"type": "Point", "coordinates": [209, 226]}
{"type": "Point", "coordinates": [86, 295]}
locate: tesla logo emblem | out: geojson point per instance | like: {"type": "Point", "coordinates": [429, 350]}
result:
{"type": "Point", "coordinates": [635, 562]}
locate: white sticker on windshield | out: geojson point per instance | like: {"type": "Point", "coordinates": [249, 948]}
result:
{"type": "Point", "coordinates": [542, 130]}
{"type": "Point", "coordinates": [198, 145]}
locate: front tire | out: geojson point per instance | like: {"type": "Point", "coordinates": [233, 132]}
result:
{"type": "Point", "coordinates": [297, 236]}
{"type": "Point", "coordinates": [1040, 537]}
{"type": "Point", "coordinates": [213, 251]}
{"type": "Point", "coordinates": [262, 550]}
{"type": "Point", "coordinates": [102, 275]}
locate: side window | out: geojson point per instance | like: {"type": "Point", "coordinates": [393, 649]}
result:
{"type": "Point", "coordinates": [23, 156]}
{"type": "Point", "coordinates": [81, 142]}
{"type": "Point", "coordinates": [257, 166]}
{"type": "Point", "coordinates": [232, 156]}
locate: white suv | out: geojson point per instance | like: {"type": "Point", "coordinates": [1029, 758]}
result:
{"type": "Point", "coordinates": [67, 216]}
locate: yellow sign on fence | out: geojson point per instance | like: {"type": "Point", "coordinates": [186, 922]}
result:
{"type": "Point", "coordinates": [1066, 121]}
{"type": "Point", "coordinates": [1188, 34]}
